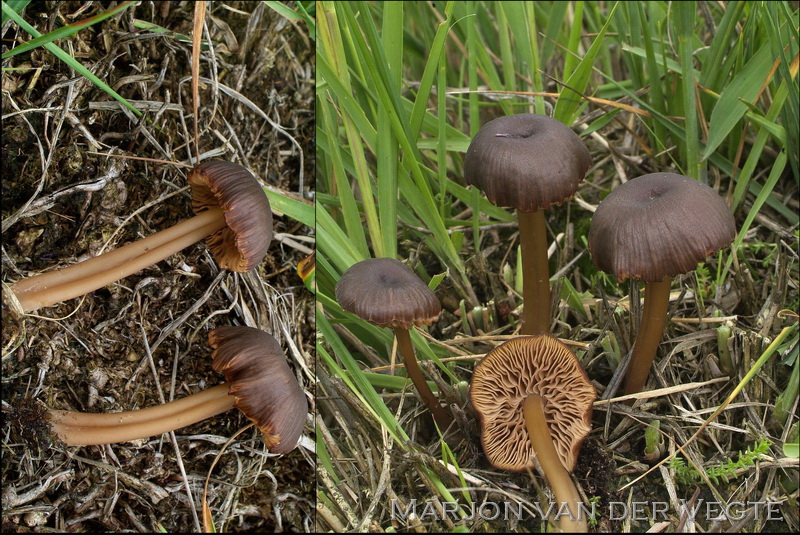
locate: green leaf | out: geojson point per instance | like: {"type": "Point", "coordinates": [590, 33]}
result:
{"type": "Point", "coordinates": [436, 280]}
{"type": "Point", "coordinates": [672, 65]}
{"type": "Point", "coordinates": [63, 32]}
{"type": "Point", "coordinates": [346, 196]}
{"type": "Point", "coordinates": [683, 18]}
{"type": "Point", "coordinates": [69, 60]}
{"type": "Point", "coordinates": [335, 245]}
{"type": "Point", "coordinates": [297, 210]}
{"type": "Point", "coordinates": [775, 174]}
{"type": "Point", "coordinates": [357, 381]}
{"type": "Point", "coordinates": [652, 437]}
{"type": "Point", "coordinates": [730, 108]}
{"type": "Point", "coordinates": [16, 6]}
{"type": "Point", "coordinates": [570, 101]}
{"type": "Point", "coordinates": [426, 82]}
{"type": "Point", "coordinates": [283, 10]}
{"type": "Point", "coordinates": [155, 28]}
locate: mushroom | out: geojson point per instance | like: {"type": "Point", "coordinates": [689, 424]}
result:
{"type": "Point", "coordinates": [528, 162]}
{"type": "Point", "coordinates": [233, 214]}
{"type": "Point", "coordinates": [258, 382]}
{"type": "Point", "coordinates": [533, 399]}
{"type": "Point", "coordinates": [385, 292]}
{"type": "Point", "coordinates": [651, 229]}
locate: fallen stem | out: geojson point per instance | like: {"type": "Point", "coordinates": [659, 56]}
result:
{"type": "Point", "coordinates": [89, 429]}
{"type": "Point", "coordinates": [59, 285]}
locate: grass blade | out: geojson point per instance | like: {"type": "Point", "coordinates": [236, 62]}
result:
{"type": "Point", "coordinates": [69, 60]}
{"type": "Point", "coordinates": [64, 31]}
{"type": "Point", "coordinates": [746, 85]}
{"type": "Point", "coordinates": [570, 101]}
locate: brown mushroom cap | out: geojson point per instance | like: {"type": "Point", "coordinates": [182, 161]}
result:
{"type": "Point", "coordinates": [265, 389]}
{"type": "Point", "coordinates": [386, 292]}
{"type": "Point", "coordinates": [243, 244]}
{"type": "Point", "coordinates": [512, 371]}
{"type": "Point", "coordinates": [526, 161]}
{"type": "Point", "coordinates": [658, 225]}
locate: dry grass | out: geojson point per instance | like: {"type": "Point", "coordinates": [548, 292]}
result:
{"type": "Point", "coordinates": [127, 345]}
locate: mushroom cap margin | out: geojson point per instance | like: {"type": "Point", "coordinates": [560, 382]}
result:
{"type": "Point", "coordinates": [243, 243]}
{"type": "Point", "coordinates": [526, 161]}
{"type": "Point", "coordinates": [265, 389]}
{"type": "Point", "coordinates": [658, 225]}
{"type": "Point", "coordinates": [386, 292]}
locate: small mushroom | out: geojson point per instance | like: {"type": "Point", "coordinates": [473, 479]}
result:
{"type": "Point", "coordinates": [385, 292]}
{"type": "Point", "coordinates": [651, 229]}
{"type": "Point", "coordinates": [528, 162]}
{"type": "Point", "coordinates": [258, 382]}
{"type": "Point", "coordinates": [233, 215]}
{"type": "Point", "coordinates": [534, 399]}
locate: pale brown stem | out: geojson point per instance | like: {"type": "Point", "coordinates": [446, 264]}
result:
{"type": "Point", "coordinates": [558, 477]}
{"type": "Point", "coordinates": [651, 329]}
{"type": "Point", "coordinates": [406, 350]}
{"type": "Point", "coordinates": [536, 273]}
{"type": "Point", "coordinates": [88, 429]}
{"type": "Point", "coordinates": [73, 281]}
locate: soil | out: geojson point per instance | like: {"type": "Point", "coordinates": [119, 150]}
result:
{"type": "Point", "coordinates": [126, 345]}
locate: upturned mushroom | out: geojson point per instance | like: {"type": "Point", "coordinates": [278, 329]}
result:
{"type": "Point", "coordinates": [651, 229]}
{"type": "Point", "coordinates": [534, 400]}
{"type": "Point", "coordinates": [233, 215]}
{"type": "Point", "coordinates": [528, 162]}
{"type": "Point", "coordinates": [258, 382]}
{"type": "Point", "coordinates": [385, 292]}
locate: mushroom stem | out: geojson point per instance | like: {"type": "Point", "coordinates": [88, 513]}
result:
{"type": "Point", "coordinates": [558, 477]}
{"type": "Point", "coordinates": [406, 349]}
{"type": "Point", "coordinates": [651, 328]}
{"type": "Point", "coordinates": [89, 429]}
{"type": "Point", "coordinates": [73, 281]}
{"type": "Point", "coordinates": [536, 273]}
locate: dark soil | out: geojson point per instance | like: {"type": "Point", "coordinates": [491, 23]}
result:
{"type": "Point", "coordinates": [63, 203]}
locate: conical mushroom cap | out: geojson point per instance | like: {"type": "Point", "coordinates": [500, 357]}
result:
{"type": "Point", "coordinates": [384, 291]}
{"type": "Point", "coordinates": [512, 371]}
{"type": "Point", "coordinates": [265, 389]}
{"type": "Point", "coordinates": [658, 225]}
{"type": "Point", "coordinates": [528, 162]}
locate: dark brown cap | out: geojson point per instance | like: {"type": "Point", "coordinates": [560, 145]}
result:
{"type": "Point", "coordinates": [241, 245]}
{"type": "Point", "coordinates": [265, 389]}
{"type": "Point", "coordinates": [659, 225]}
{"type": "Point", "coordinates": [526, 161]}
{"type": "Point", "coordinates": [531, 365]}
{"type": "Point", "coordinates": [384, 291]}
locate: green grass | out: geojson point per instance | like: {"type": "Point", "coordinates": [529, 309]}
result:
{"type": "Point", "coordinates": [12, 10]}
{"type": "Point", "coordinates": [281, 204]}
{"type": "Point", "coordinates": [706, 90]}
